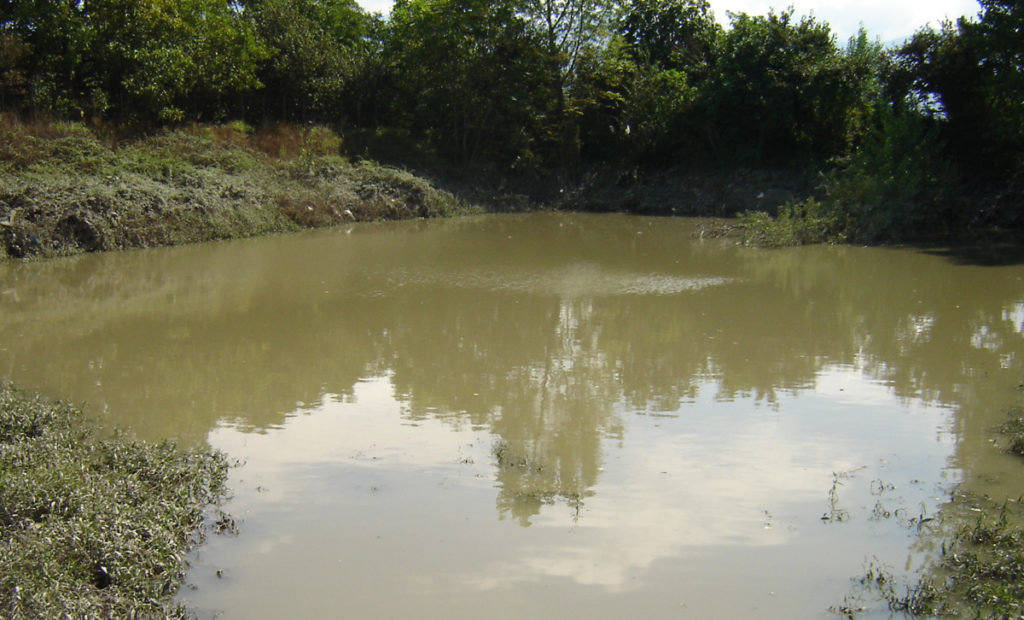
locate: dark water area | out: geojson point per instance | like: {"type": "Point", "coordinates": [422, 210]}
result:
{"type": "Point", "coordinates": [543, 414]}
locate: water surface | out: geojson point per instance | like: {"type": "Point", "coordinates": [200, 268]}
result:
{"type": "Point", "coordinates": [545, 414]}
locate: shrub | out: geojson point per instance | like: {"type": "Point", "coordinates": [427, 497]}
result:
{"type": "Point", "coordinates": [803, 223]}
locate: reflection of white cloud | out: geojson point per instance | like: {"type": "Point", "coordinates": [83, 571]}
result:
{"type": "Point", "coordinates": [840, 384]}
{"type": "Point", "coordinates": [721, 482]}
{"type": "Point", "coordinates": [690, 491]}
{"type": "Point", "coordinates": [983, 338]}
{"type": "Point", "coordinates": [363, 432]}
{"type": "Point", "coordinates": [1014, 313]}
{"type": "Point", "coordinates": [707, 489]}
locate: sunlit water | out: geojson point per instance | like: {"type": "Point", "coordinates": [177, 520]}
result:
{"type": "Point", "coordinates": [544, 415]}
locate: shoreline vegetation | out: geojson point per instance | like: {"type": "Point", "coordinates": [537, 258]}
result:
{"type": "Point", "coordinates": [66, 189]}
{"type": "Point", "coordinates": [93, 527]}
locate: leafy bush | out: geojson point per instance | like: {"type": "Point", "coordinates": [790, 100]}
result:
{"type": "Point", "coordinates": [897, 185]}
{"type": "Point", "coordinates": [803, 223]}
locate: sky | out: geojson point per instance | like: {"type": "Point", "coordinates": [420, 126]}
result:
{"type": "Point", "coordinates": [889, 20]}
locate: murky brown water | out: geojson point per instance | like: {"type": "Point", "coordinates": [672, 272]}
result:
{"type": "Point", "coordinates": [542, 415]}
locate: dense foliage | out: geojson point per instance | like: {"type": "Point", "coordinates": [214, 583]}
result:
{"type": "Point", "coordinates": [921, 137]}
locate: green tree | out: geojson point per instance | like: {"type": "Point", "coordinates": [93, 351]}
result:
{"type": "Point", "coordinates": [49, 44]}
{"type": "Point", "coordinates": [569, 31]}
{"type": "Point", "coordinates": [466, 74]}
{"type": "Point", "coordinates": [777, 92]}
{"type": "Point", "coordinates": [631, 112]}
{"type": "Point", "coordinates": [157, 59]}
{"type": "Point", "coordinates": [973, 71]}
{"type": "Point", "coordinates": [168, 59]}
{"type": "Point", "coordinates": [896, 183]}
{"type": "Point", "coordinates": [668, 50]}
{"type": "Point", "coordinates": [313, 50]}
{"type": "Point", "coordinates": [867, 64]}
{"type": "Point", "coordinates": [671, 34]}
{"type": "Point", "coordinates": [13, 78]}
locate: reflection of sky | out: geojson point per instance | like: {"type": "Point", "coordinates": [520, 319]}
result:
{"type": "Point", "coordinates": [714, 476]}
{"type": "Point", "coordinates": [410, 507]}
{"type": "Point", "coordinates": [1014, 314]}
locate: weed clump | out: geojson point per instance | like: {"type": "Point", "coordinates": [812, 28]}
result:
{"type": "Point", "coordinates": [979, 573]}
{"type": "Point", "coordinates": [90, 527]}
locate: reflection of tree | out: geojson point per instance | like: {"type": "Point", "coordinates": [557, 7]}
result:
{"type": "Point", "coordinates": [931, 331]}
{"type": "Point", "coordinates": [527, 326]}
{"type": "Point", "coordinates": [527, 368]}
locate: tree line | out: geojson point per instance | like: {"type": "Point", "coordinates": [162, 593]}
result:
{"type": "Point", "coordinates": [535, 86]}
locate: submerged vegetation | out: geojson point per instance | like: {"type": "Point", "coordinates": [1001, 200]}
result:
{"type": "Point", "coordinates": [1012, 432]}
{"type": "Point", "coordinates": [94, 527]}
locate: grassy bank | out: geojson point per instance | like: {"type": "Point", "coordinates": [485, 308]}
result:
{"type": "Point", "coordinates": [90, 527]}
{"type": "Point", "coordinates": [66, 188]}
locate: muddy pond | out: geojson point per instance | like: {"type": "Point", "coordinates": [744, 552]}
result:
{"type": "Point", "coordinates": [544, 415]}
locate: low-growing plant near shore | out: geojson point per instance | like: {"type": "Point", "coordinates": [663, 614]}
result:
{"type": "Point", "coordinates": [795, 224]}
{"type": "Point", "coordinates": [65, 189]}
{"type": "Point", "coordinates": [91, 527]}
{"type": "Point", "coordinates": [979, 570]}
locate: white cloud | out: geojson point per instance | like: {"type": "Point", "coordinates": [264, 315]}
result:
{"type": "Point", "coordinates": [376, 6]}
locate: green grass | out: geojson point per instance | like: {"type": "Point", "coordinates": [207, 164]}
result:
{"type": "Point", "coordinates": [979, 572]}
{"type": "Point", "coordinates": [91, 527]}
{"type": "Point", "coordinates": [66, 188]}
